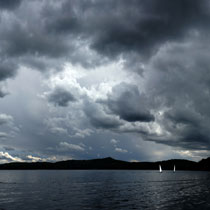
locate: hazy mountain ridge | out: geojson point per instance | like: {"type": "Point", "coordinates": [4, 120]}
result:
{"type": "Point", "coordinates": [110, 163]}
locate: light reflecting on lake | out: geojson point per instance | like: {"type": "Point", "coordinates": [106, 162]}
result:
{"type": "Point", "coordinates": [105, 189]}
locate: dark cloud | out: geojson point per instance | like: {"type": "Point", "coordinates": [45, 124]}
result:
{"type": "Point", "coordinates": [166, 43]}
{"type": "Point", "coordinates": [179, 90]}
{"type": "Point", "coordinates": [61, 97]}
{"type": "Point", "coordinates": [9, 4]}
{"type": "Point", "coordinates": [3, 92]}
{"type": "Point", "coordinates": [64, 19]}
{"type": "Point", "coordinates": [183, 117]}
{"type": "Point", "coordinates": [128, 104]}
{"type": "Point", "coordinates": [21, 41]}
{"type": "Point", "coordinates": [7, 70]}
{"type": "Point", "coordinates": [106, 122]}
{"type": "Point", "coordinates": [99, 118]}
{"type": "Point", "coordinates": [143, 26]}
{"type": "Point", "coordinates": [54, 30]}
{"type": "Point", "coordinates": [123, 26]}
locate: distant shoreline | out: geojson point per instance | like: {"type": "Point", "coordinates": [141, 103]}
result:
{"type": "Point", "coordinates": [110, 164]}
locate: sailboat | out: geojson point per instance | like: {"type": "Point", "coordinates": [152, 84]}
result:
{"type": "Point", "coordinates": [174, 168]}
{"type": "Point", "coordinates": [160, 168]}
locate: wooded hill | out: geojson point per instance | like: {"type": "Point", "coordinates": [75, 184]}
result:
{"type": "Point", "coordinates": [110, 163]}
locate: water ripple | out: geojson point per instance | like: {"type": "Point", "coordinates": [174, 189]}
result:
{"type": "Point", "coordinates": [62, 190]}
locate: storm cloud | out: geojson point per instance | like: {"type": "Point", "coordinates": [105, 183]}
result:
{"type": "Point", "coordinates": [122, 26]}
{"type": "Point", "coordinates": [7, 70]}
{"type": "Point", "coordinates": [9, 4]}
{"type": "Point", "coordinates": [61, 97]}
{"type": "Point", "coordinates": [85, 79]}
{"type": "Point", "coordinates": [126, 102]}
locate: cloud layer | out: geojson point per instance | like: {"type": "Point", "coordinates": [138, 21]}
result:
{"type": "Point", "coordinates": [86, 79]}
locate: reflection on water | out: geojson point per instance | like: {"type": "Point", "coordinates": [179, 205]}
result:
{"type": "Point", "coordinates": [108, 189]}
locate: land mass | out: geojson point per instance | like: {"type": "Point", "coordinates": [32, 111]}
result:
{"type": "Point", "coordinates": [110, 163]}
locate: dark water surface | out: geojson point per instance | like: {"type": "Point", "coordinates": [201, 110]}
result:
{"type": "Point", "coordinates": [108, 189]}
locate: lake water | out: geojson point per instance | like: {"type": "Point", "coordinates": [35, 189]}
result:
{"type": "Point", "coordinates": [106, 189]}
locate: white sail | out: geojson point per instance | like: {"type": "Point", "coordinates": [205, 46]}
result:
{"type": "Point", "coordinates": [160, 168]}
{"type": "Point", "coordinates": [174, 168]}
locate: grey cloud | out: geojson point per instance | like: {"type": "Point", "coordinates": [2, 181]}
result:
{"type": "Point", "coordinates": [121, 150]}
{"type": "Point", "coordinates": [123, 26]}
{"type": "Point", "coordinates": [82, 133]}
{"type": "Point", "coordinates": [165, 42]}
{"type": "Point", "coordinates": [183, 116]}
{"type": "Point", "coordinates": [7, 70]}
{"type": "Point", "coordinates": [7, 148]}
{"type": "Point", "coordinates": [24, 41]}
{"type": "Point", "coordinates": [104, 122]}
{"type": "Point", "coordinates": [189, 129]}
{"type": "Point", "coordinates": [42, 63]}
{"type": "Point", "coordinates": [53, 30]}
{"type": "Point", "coordinates": [20, 40]}
{"type": "Point", "coordinates": [113, 141]}
{"type": "Point", "coordinates": [65, 19]}
{"type": "Point", "coordinates": [179, 89]}
{"type": "Point", "coordinates": [5, 119]}
{"type": "Point", "coordinates": [99, 118]}
{"type": "Point", "coordinates": [127, 102]}
{"type": "Point", "coordinates": [68, 146]}
{"type": "Point", "coordinates": [61, 97]}
{"type": "Point", "coordinates": [58, 130]}
{"type": "Point", "coordinates": [3, 92]}
{"type": "Point", "coordinates": [3, 135]}
{"type": "Point", "coordinates": [9, 4]}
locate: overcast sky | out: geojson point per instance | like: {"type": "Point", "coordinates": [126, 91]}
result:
{"type": "Point", "coordinates": [82, 79]}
